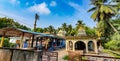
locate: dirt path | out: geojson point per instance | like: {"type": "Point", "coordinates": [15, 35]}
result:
{"type": "Point", "coordinates": [61, 54]}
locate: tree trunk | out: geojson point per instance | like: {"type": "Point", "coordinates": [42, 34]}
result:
{"type": "Point", "coordinates": [35, 25]}
{"type": "Point", "coordinates": [115, 30]}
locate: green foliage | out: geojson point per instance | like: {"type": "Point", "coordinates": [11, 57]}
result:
{"type": "Point", "coordinates": [12, 44]}
{"type": "Point", "coordinates": [65, 57]}
{"type": "Point", "coordinates": [111, 53]}
{"type": "Point", "coordinates": [39, 30]}
{"type": "Point", "coordinates": [90, 31]}
{"type": "Point", "coordinates": [6, 42]}
{"type": "Point", "coordinates": [114, 44]}
{"type": "Point", "coordinates": [7, 22]}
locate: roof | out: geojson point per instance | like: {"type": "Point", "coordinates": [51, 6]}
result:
{"type": "Point", "coordinates": [52, 36]}
{"type": "Point", "coordinates": [80, 37]}
{"type": "Point", "coordinates": [17, 32]}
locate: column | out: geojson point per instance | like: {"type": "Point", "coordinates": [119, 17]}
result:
{"type": "Point", "coordinates": [66, 45]}
{"type": "Point", "coordinates": [95, 43]}
{"type": "Point", "coordinates": [21, 41]}
{"type": "Point", "coordinates": [73, 45]}
{"type": "Point", "coordinates": [29, 42]}
{"type": "Point", "coordinates": [1, 44]}
{"type": "Point", "coordinates": [32, 41]}
{"type": "Point", "coordinates": [86, 43]}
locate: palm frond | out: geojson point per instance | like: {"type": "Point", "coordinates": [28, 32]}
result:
{"type": "Point", "coordinates": [36, 16]}
{"type": "Point", "coordinates": [92, 9]}
{"type": "Point", "coordinates": [94, 15]}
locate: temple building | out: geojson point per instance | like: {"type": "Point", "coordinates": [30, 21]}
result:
{"type": "Point", "coordinates": [82, 42]}
{"type": "Point", "coordinates": [61, 33]}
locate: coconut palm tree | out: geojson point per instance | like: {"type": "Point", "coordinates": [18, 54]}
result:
{"type": "Point", "coordinates": [36, 18]}
{"type": "Point", "coordinates": [103, 12]}
{"type": "Point", "coordinates": [69, 29]}
{"type": "Point", "coordinates": [64, 26]}
{"type": "Point", "coordinates": [79, 24]}
{"type": "Point", "coordinates": [51, 29]}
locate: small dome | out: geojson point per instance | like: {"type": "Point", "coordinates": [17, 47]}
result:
{"type": "Point", "coordinates": [61, 33]}
{"type": "Point", "coordinates": [81, 32]}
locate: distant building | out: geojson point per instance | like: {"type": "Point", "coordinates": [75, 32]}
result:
{"type": "Point", "coordinates": [82, 43]}
{"type": "Point", "coordinates": [81, 32]}
{"type": "Point", "coordinates": [61, 33]}
{"type": "Point", "coordinates": [14, 39]}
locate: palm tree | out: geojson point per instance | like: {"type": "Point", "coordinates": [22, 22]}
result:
{"type": "Point", "coordinates": [36, 18]}
{"type": "Point", "coordinates": [51, 29]}
{"type": "Point", "coordinates": [79, 24]}
{"type": "Point", "coordinates": [69, 29]}
{"type": "Point", "coordinates": [45, 30]}
{"type": "Point", "coordinates": [64, 26]}
{"type": "Point", "coordinates": [103, 12]}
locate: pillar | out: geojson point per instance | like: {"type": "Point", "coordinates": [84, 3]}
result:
{"type": "Point", "coordinates": [29, 42]}
{"type": "Point", "coordinates": [21, 41]}
{"type": "Point", "coordinates": [95, 43]}
{"type": "Point", "coordinates": [66, 45]}
{"type": "Point", "coordinates": [3, 36]}
{"type": "Point", "coordinates": [32, 41]}
{"type": "Point", "coordinates": [73, 45]}
{"type": "Point", "coordinates": [86, 43]}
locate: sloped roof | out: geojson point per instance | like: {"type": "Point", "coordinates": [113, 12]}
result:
{"type": "Point", "coordinates": [17, 32]}
{"type": "Point", "coordinates": [80, 37]}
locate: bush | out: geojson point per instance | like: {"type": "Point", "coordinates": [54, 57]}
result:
{"type": "Point", "coordinates": [6, 42]}
{"type": "Point", "coordinates": [114, 44]}
{"type": "Point", "coordinates": [12, 44]}
{"type": "Point", "coordinates": [65, 57]}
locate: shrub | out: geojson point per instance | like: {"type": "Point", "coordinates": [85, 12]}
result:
{"type": "Point", "coordinates": [65, 57]}
{"type": "Point", "coordinates": [114, 44]}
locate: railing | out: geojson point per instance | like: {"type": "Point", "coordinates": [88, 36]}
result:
{"type": "Point", "coordinates": [76, 56]}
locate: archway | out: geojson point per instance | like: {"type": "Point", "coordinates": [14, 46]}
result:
{"type": "Point", "coordinates": [79, 45]}
{"type": "Point", "coordinates": [90, 46]}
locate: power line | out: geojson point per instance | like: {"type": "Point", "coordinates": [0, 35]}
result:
{"type": "Point", "coordinates": [16, 20]}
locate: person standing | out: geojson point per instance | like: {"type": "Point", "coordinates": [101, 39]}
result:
{"type": "Point", "coordinates": [25, 45]}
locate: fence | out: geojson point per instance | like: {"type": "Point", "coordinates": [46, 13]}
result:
{"type": "Point", "coordinates": [12, 54]}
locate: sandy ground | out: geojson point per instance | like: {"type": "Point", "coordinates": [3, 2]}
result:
{"type": "Point", "coordinates": [61, 54]}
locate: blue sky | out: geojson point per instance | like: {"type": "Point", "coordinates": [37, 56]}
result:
{"type": "Point", "coordinates": [51, 12]}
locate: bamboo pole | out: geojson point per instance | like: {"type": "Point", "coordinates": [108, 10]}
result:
{"type": "Point", "coordinates": [1, 44]}
{"type": "Point", "coordinates": [21, 41]}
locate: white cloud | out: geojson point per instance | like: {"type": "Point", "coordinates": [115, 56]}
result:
{"type": "Point", "coordinates": [53, 3]}
{"type": "Point", "coordinates": [75, 6]}
{"type": "Point", "coordinates": [40, 8]}
{"type": "Point", "coordinates": [14, 1]}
